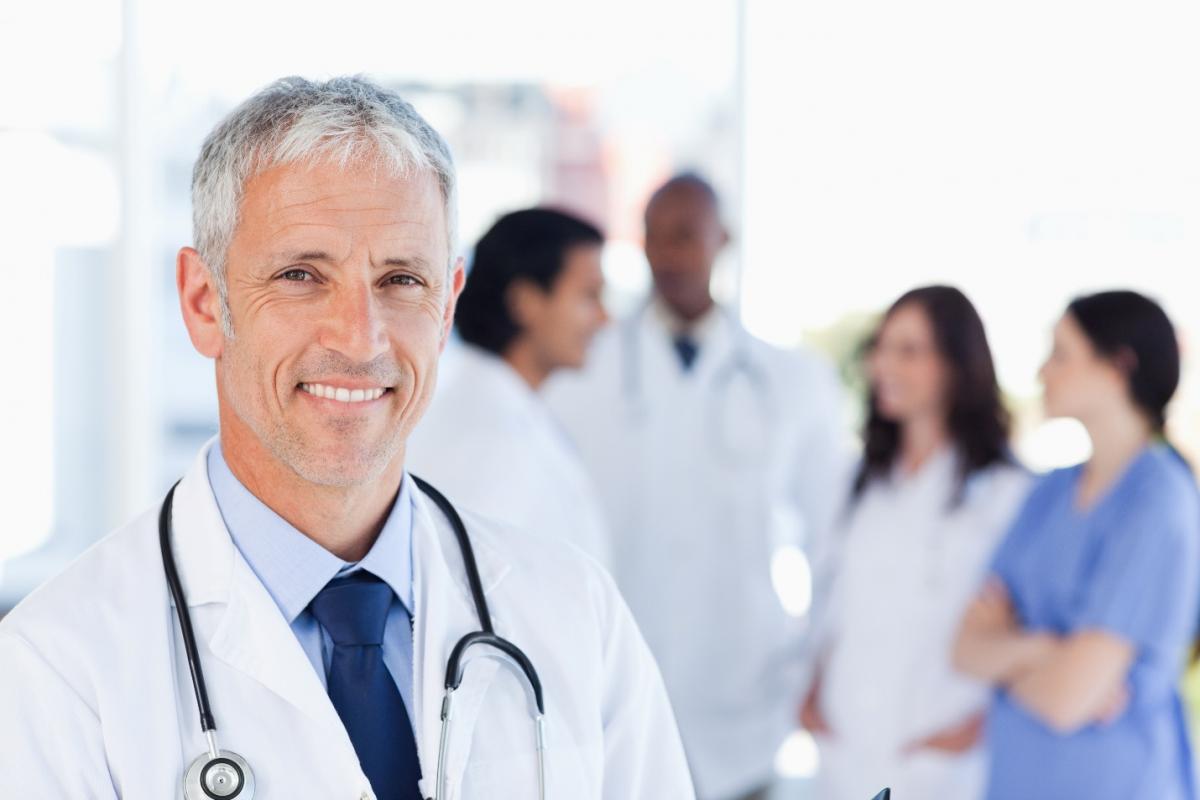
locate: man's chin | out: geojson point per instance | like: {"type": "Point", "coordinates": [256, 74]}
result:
{"type": "Point", "coordinates": [339, 466]}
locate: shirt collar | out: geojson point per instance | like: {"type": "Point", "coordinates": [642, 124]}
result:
{"type": "Point", "coordinates": [293, 567]}
{"type": "Point", "coordinates": [699, 330]}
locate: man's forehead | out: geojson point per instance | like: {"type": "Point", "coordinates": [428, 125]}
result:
{"type": "Point", "coordinates": [326, 215]}
{"type": "Point", "coordinates": [295, 198]}
{"type": "Point", "coordinates": [682, 200]}
{"type": "Point", "coordinates": [330, 187]}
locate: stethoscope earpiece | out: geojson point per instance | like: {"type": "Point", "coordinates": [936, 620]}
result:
{"type": "Point", "coordinates": [225, 777]}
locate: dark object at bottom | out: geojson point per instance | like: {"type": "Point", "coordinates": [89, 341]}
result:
{"type": "Point", "coordinates": [886, 794]}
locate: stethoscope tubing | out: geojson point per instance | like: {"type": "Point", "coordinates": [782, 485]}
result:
{"type": "Point", "coordinates": [455, 666]}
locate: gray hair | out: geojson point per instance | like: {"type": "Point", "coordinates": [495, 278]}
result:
{"type": "Point", "coordinates": [343, 120]}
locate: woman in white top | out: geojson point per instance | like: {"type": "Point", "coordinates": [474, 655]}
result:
{"type": "Point", "coordinates": [934, 493]}
{"type": "Point", "coordinates": [530, 307]}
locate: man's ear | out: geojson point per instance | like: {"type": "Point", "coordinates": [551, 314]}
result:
{"type": "Point", "coordinates": [199, 302]}
{"type": "Point", "coordinates": [458, 279]}
{"type": "Point", "coordinates": [523, 299]}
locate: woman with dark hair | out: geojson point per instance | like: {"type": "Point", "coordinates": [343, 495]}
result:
{"type": "Point", "coordinates": [1084, 626]}
{"type": "Point", "coordinates": [934, 492]}
{"type": "Point", "coordinates": [530, 307]}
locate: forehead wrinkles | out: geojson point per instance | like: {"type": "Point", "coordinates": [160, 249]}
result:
{"type": "Point", "coordinates": [306, 180]}
{"type": "Point", "coordinates": [374, 205]}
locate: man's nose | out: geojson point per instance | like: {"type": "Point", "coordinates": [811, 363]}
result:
{"type": "Point", "coordinates": [355, 326]}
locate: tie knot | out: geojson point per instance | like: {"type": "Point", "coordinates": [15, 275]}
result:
{"type": "Point", "coordinates": [687, 349]}
{"type": "Point", "coordinates": [353, 610]}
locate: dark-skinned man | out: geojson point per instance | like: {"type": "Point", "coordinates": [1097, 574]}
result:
{"type": "Point", "coordinates": [716, 455]}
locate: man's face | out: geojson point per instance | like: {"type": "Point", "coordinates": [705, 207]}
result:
{"type": "Point", "coordinates": [340, 299]}
{"type": "Point", "coordinates": [561, 322]}
{"type": "Point", "coordinates": [683, 238]}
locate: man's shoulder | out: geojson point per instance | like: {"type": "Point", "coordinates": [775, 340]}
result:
{"type": "Point", "coordinates": [800, 372]}
{"type": "Point", "coordinates": [554, 563]}
{"type": "Point", "coordinates": [521, 546]}
{"type": "Point", "coordinates": [94, 594]}
{"type": "Point", "coordinates": [800, 359]}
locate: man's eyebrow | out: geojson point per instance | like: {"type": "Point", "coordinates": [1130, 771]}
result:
{"type": "Point", "coordinates": [304, 255]}
{"type": "Point", "coordinates": [413, 262]}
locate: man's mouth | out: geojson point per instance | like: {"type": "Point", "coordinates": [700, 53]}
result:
{"type": "Point", "coordinates": [344, 394]}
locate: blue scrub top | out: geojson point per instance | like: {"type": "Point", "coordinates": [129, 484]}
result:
{"type": "Point", "coordinates": [1129, 566]}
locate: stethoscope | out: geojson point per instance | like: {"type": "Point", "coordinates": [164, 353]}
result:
{"type": "Point", "coordinates": [738, 364]}
{"type": "Point", "coordinates": [221, 774]}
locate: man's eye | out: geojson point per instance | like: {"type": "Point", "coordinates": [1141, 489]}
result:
{"type": "Point", "coordinates": [403, 280]}
{"type": "Point", "coordinates": [296, 275]}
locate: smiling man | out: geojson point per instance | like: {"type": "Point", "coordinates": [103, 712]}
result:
{"type": "Point", "coordinates": [322, 590]}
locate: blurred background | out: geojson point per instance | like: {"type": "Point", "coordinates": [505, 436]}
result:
{"type": "Point", "coordinates": [1025, 152]}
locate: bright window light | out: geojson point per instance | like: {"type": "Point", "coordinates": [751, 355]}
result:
{"type": "Point", "coordinates": [792, 578]}
{"type": "Point", "coordinates": [798, 757]}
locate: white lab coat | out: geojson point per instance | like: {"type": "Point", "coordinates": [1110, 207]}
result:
{"type": "Point", "coordinates": [489, 442]}
{"type": "Point", "coordinates": [910, 565]}
{"type": "Point", "coordinates": [703, 475]}
{"type": "Point", "coordinates": [96, 702]}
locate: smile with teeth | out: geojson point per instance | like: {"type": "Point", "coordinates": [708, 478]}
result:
{"type": "Point", "coordinates": [341, 394]}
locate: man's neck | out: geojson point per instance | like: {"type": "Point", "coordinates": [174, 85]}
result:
{"type": "Point", "coordinates": [690, 315]}
{"type": "Point", "coordinates": [345, 520]}
{"type": "Point", "coordinates": [523, 358]}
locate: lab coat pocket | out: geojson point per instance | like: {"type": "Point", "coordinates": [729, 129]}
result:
{"type": "Point", "coordinates": [516, 775]}
{"type": "Point", "coordinates": [504, 748]}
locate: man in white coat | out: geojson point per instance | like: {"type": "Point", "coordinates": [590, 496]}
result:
{"type": "Point", "coordinates": [325, 589]}
{"type": "Point", "coordinates": [712, 452]}
{"type": "Point", "coordinates": [531, 306]}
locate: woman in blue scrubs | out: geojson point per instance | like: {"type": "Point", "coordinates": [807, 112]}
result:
{"type": "Point", "coordinates": [1084, 626]}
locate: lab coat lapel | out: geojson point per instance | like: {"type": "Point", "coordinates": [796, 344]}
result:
{"type": "Point", "coordinates": [661, 363]}
{"type": "Point", "coordinates": [444, 612]}
{"type": "Point", "coordinates": [250, 634]}
{"type": "Point", "coordinates": [658, 377]}
{"type": "Point", "coordinates": [716, 347]}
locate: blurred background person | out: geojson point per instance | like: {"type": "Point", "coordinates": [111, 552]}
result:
{"type": "Point", "coordinates": [711, 450]}
{"type": "Point", "coordinates": [933, 494]}
{"type": "Point", "coordinates": [1085, 624]}
{"type": "Point", "coordinates": [531, 305]}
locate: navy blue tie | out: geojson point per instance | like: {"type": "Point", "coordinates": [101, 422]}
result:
{"type": "Point", "coordinates": [353, 611]}
{"type": "Point", "coordinates": [687, 350]}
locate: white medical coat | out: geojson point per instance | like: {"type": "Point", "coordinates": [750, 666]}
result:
{"type": "Point", "coordinates": [703, 476]}
{"type": "Point", "coordinates": [910, 564]}
{"type": "Point", "coordinates": [96, 702]}
{"type": "Point", "coordinates": [489, 442]}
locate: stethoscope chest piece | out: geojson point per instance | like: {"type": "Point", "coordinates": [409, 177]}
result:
{"type": "Point", "coordinates": [225, 777]}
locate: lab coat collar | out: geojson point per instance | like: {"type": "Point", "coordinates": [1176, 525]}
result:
{"type": "Point", "coordinates": [207, 557]}
{"type": "Point", "coordinates": [249, 632]}
{"type": "Point", "coordinates": [293, 567]}
{"type": "Point", "coordinates": [716, 336]}
{"type": "Point", "coordinates": [436, 553]}
{"type": "Point", "coordinates": [939, 468]}
{"type": "Point", "coordinates": [492, 377]}
{"type": "Point", "coordinates": [700, 329]}
{"type": "Point", "coordinates": [441, 618]}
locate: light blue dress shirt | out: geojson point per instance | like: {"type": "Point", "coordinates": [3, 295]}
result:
{"type": "Point", "coordinates": [294, 569]}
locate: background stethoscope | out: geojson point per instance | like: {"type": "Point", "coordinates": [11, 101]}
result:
{"type": "Point", "coordinates": [222, 774]}
{"type": "Point", "coordinates": [737, 365]}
